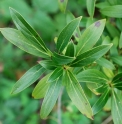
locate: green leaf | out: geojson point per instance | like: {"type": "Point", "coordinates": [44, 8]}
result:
{"type": "Point", "coordinates": [114, 51]}
{"type": "Point", "coordinates": [117, 81]}
{"type": "Point", "coordinates": [77, 95]}
{"type": "Point", "coordinates": [102, 88]}
{"type": "Point", "coordinates": [25, 28]}
{"type": "Point", "coordinates": [69, 18]}
{"type": "Point", "coordinates": [94, 86]}
{"type": "Point", "coordinates": [41, 88]}
{"type": "Point", "coordinates": [55, 74]}
{"type": "Point", "coordinates": [108, 72]}
{"type": "Point", "coordinates": [91, 76]}
{"type": "Point", "coordinates": [61, 59]}
{"type": "Point", "coordinates": [66, 34]}
{"type": "Point", "coordinates": [50, 98]}
{"type": "Point", "coordinates": [63, 4]}
{"type": "Point", "coordinates": [120, 41]}
{"type": "Point", "coordinates": [102, 5]}
{"type": "Point", "coordinates": [18, 39]}
{"type": "Point", "coordinates": [48, 64]}
{"type": "Point", "coordinates": [117, 59]}
{"type": "Point", "coordinates": [113, 2]}
{"type": "Point", "coordinates": [28, 78]}
{"type": "Point", "coordinates": [105, 63]}
{"type": "Point", "coordinates": [90, 7]}
{"type": "Point", "coordinates": [90, 36]}
{"type": "Point", "coordinates": [119, 24]}
{"type": "Point", "coordinates": [100, 102]}
{"type": "Point", "coordinates": [116, 109]}
{"type": "Point", "coordinates": [113, 31]}
{"type": "Point", "coordinates": [90, 56]}
{"type": "Point", "coordinates": [70, 51]}
{"type": "Point", "coordinates": [112, 11]}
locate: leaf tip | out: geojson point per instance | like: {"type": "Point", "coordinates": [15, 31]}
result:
{"type": "Point", "coordinates": [10, 8]}
{"type": "Point", "coordinates": [12, 92]}
{"type": "Point", "coordinates": [92, 117]}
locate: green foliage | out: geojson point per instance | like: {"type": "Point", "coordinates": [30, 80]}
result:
{"type": "Point", "coordinates": [84, 62]}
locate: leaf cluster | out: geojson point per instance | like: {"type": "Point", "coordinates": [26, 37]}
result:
{"type": "Point", "coordinates": [89, 58]}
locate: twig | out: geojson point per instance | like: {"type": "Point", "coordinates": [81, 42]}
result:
{"type": "Point", "coordinates": [59, 107]}
{"type": "Point", "coordinates": [107, 120]}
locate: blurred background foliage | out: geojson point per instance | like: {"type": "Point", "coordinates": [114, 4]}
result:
{"type": "Point", "coordinates": [48, 21]}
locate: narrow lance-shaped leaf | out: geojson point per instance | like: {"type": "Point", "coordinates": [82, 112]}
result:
{"type": "Point", "coordinates": [120, 41]}
{"type": "Point", "coordinates": [117, 81]}
{"type": "Point", "coordinates": [101, 102]}
{"type": "Point", "coordinates": [90, 7]}
{"type": "Point", "coordinates": [112, 11]}
{"type": "Point", "coordinates": [66, 34]}
{"type": "Point", "coordinates": [55, 74]}
{"type": "Point", "coordinates": [63, 4]}
{"type": "Point", "coordinates": [105, 63]}
{"type": "Point", "coordinates": [47, 64]}
{"type": "Point", "coordinates": [113, 2]}
{"type": "Point", "coordinates": [18, 39]}
{"type": "Point", "coordinates": [91, 76]}
{"type": "Point", "coordinates": [61, 59]}
{"type": "Point", "coordinates": [108, 72]}
{"type": "Point", "coordinates": [28, 78]}
{"type": "Point", "coordinates": [50, 98]}
{"type": "Point", "coordinates": [41, 88]}
{"type": "Point", "coordinates": [69, 18]}
{"type": "Point", "coordinates": [23, 26]}
{"type": "Point", "coordinates": [90, 36]}
{"type": "Point", "coordinates": [77, 95]}
{"type": "Point", "coordinates": [70, 51]}
{"type": "Point", "coordinates": [117, 59]}
{"type": "Point", "coordinates": [113, 31]}
{"type": "Point", "coordinates": [90, 56]}
{"type": "Point", "coordinates": [116, 109]}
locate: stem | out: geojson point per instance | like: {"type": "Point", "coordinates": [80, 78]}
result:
{"type": "Point", "coordinates": [109, 119]}
{"type": "Point", "coordinates": [59, 107]}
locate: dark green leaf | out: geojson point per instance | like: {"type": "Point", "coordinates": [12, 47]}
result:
{"type": "Point", "coordinates": [90, 7]}
{"type": "Point", "coordinates": [117, 81]}
{"type": "Point", "coordinates": [41, 88]}
{"type": "Point", "coordinates": [105, 63]}
{"type": "Point", "coordinates": [90, 36]}
{"type": "Point", "coordinates": [90, 56]}
{"type": "Point", "coordinates": [91, 76]}
{"type": "Point", "coordinates": [116, 109]}
{"type": "Point", "coordinates": [69, 18]}
{"type": "Point", "coordinates": [120, 41]}
{"type": "Point", "coordinates": [23, 26]}
{"type": "Point", "coordinates": [70, 51]}
{"type": "Point", "coordinates": [112, 11]}
{"type": "Point", "coordinates": [50, 98]}
{"type": "Point", "coordinates": [48, 64]}
{"type": "Point", "coordinates": [101, 102]}
{"type": "Point", "coordinates": [66, 34]}
{"type": "Point", "coordinates": [102, 88]}
{"type": "Point", "coordinates": [28, 78]}
{"type": "Point", "coordinates": [113, 31]}
{"type": "Point", "coordinates": [18, 39]}
{"type": "Point", "coordinates": [62, 59]}
{"type": "Point", "coordinates": [77, 95]}
{"type": "Point", "coordinates": [55, 74]}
